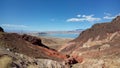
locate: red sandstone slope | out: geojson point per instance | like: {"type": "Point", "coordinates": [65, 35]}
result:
{"type": "Point", "coordinates": [104, 35]}
{"type": "Point", "coordinates": [29, 45]}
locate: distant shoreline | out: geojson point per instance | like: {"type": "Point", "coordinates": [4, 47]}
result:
{"type": "Point", "coordinates": [54, 37]}
{"type": "Point", "coordinates": [61, 35]}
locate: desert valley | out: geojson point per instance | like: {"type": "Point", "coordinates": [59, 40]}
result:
{"type": "Point", "coordinates": [96, 47]}
{"type": "Point", "coordinates": [59, 34]}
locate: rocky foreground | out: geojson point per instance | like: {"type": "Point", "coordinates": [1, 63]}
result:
{"type": "Point", "coordinates": [96, 47]}
{"type": "Point", "coordinates": [10, 59]}
{"type": "Point", "coordinates": [25, 50]}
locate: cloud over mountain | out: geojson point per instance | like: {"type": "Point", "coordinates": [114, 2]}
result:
{"type": "Point", "coordinates": [110, 16]}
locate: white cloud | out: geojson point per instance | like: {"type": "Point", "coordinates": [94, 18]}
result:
{"type": "Point", "coordinates": [75, 19]}
{"type": "Point", "coordinates": [78, 15]}
{"type": "Point", "coordinates": [88, 18]}
{"type": "Point", "coordinates": [107, 13]}
{"type": "Point", "coordinates": [109, 16]}
{"type": "Point", "coordinates": [13, 26]}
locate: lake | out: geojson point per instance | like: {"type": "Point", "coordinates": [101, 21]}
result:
{"type": "Point", "coordinates": [66, 35]}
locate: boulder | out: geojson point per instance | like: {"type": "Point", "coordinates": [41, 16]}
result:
{"type": "Point", "coordinates": [1, 29]}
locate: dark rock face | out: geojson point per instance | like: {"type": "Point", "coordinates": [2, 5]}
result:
{"type": "Point", "coordinates": [33, 40]}
{"type": "Point", "coordinates": [71, 61]}
{"type": "Point", "coordinates": [1, 29]}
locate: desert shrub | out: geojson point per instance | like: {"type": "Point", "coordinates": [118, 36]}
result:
{"type": "Point", "coordinates": [5, 61]}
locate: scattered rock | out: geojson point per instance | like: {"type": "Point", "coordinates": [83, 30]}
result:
{"type": "Point", "coordinates": [103, 47]}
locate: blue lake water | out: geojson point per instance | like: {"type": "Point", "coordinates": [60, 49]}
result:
{"type": "Point", "coordinates": [61, 35]}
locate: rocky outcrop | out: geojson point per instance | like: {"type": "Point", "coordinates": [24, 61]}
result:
{"type": "Point", "coordinates": [18, 60]}
{"type": "Point", "coordinates": [98, 34]}
{"type": "Point", "coordinates": [98, 45]}
{"type": "Point", "coordinates": [1, 29]}
{"type": "Point", "coordinates": [33, 40]}
{"type": "Point", "coordinates": [30, 46]}
{"type": "Point", "coordinates": [99, 63]}
{"type": "Point", "coordinates": [10, 59]}
{"type": "Point", "coordinates": [101, 30]}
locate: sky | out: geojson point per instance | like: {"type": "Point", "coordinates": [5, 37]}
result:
{"type": "Point", "coordinates": [56, 15]}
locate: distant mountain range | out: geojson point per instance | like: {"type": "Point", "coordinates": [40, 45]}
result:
{"type": "Point", "coordinates": [44, 32]}
{"type": "Point", "coordinates": [72, 31]}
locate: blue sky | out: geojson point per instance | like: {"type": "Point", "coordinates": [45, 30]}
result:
{"type": "Point", "coordinates": [54, 15]}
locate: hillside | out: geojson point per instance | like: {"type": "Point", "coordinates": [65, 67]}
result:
{"type": "Point", "coordinates": [21, 47]}
{"type": "Point", "coordinates": [97, 32]}
{"type": "Point", "coordinates": [99, 44]}
{"type": "Point", "coordinates": [28, 45]}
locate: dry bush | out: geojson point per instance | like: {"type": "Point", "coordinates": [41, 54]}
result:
{"type": "Point", "coordinates": [5, 61]}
